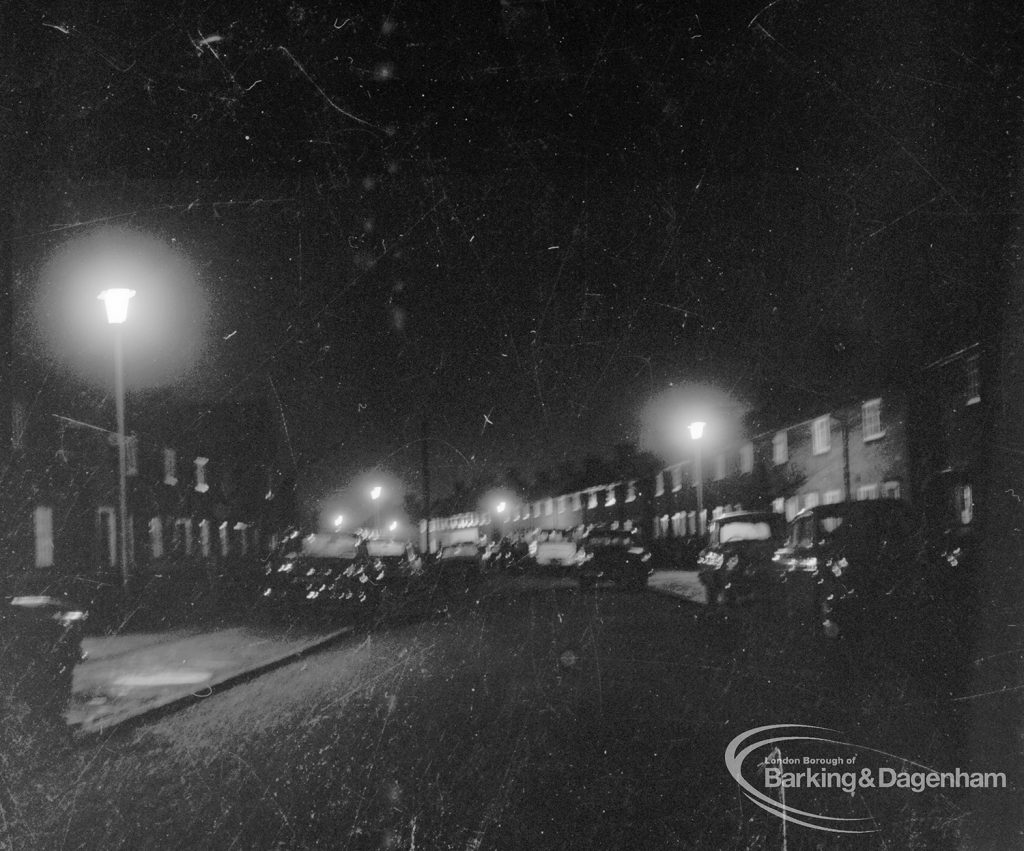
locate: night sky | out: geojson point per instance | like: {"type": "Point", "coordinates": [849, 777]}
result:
{"type": "Point", "coordinates": [524, 221]}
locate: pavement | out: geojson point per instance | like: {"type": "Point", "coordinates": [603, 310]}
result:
{"type": "Point", "coordinates": [126, 676]}
{"type": "Point", "coordinates": [678, 583]}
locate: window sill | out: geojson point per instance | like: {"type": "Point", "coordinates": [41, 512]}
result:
{"type": "Point", "coordinates": [873, 437]}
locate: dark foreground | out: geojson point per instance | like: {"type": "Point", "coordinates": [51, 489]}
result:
{"type": "Point", "coordinates": [532, 718]}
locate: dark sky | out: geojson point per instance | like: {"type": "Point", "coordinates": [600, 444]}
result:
{"type": "Point", "coordinates": [524, 220]}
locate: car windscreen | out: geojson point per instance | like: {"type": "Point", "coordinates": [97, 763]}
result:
{"type": "Point", "coordinates": [744, 530]}
{"type": "Point", "coordinates": [385, 549]}
{"type": "Point", "coordinates": [330, 546]}
{"type": "Point", "coordinates": [610, 541]}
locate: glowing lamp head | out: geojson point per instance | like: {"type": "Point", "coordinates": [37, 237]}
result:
{"type": "Point", "coordinates": [697, 430]}
{"type": "Point", "coordinates": [116, 301]}
{"type": "Point", "coordinates": [338, 521]}
{"type": "Point", "coordinates": [501, 507]}
{"type": "Point", "coordinates": [375, 492]}
{"type": "Point", "coordinates": [393, 526]}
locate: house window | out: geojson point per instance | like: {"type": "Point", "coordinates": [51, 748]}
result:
{"type": "Point", "coordinates": [747, 458]}
{"type": "Point", "coordinates": [549, 507]}
{"type": "Point", "coordinates": [44, 536]}
{"type": "Point", "coordinates": [792, 507]}
{"type": "Point", "coordinates": [965, 503]}
{"type": "Point", "coordinates": [973, 380]}
{"type": "Point", "coordinates": [538, 509]}
{"type": "Point", "coordinates": [891, 490]}
{"type": "Point", "coordinates": [833, 496]}
{"type": "Point", "coordinates": [659, 484]}
{"type": "Point", "coordinates": [19, 422]}
{"type": "Point", "coordinates": [631, 491]}
{"type": "Point", "coordinates": [576, 502]}
{"type": "Point", "coordinates": [170, 466]}
{"type": "Point", "coordinates": [779, 505]}
{"type": "Point", "coordinates": [871, 418]}
{"type": "Point", "coordinates": [719, 467]}
{"type": "Point", "coordinates": [867, 492]}
{"type": "Point", "coordinates": [821, 435]}
{"type": "Point", "coordinates": [780, 448]}
{"type": "Point", "coordinates": [591, 499]}
{"type": "Point", "coordinates": [810, 499]}
{"type": "Point", "coordinates": [677, 479]}
{"type": "Point", "coordinates": [563, 504]}
{"type": "Point", "coordinates": [156, 537]}
{"type": "Point", "coordinates": [609, 498]}
{"type": "Point", "coordinates": [201, 485]}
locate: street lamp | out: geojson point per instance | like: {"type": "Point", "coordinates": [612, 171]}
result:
{"type": "Point", "coordinates": [116, 302]}
{"type": "Point", "coordinates": [697, 432]}
{"type": "Point", "coordinates": [375, 493]}
{"type": "Point", "coordinates": [392, 527]}
{"type": "Point", "coordinates": [338, 521]}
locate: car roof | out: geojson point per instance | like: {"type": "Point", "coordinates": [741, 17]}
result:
{"type": "Point", "coordinates": [745, 515]}
{"type": "Point", "coordinates": [862, 506]}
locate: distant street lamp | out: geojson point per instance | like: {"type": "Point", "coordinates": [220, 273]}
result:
{"type": "Point", "coordinates": [375, 493]}
{"type": "Point", "coordinates": [393, 526]}
{"type": "Point", "coordinates": [338, 521]}
{"type": "Point", "coordinates": [116, 302]}
{"type": "Point", "coordinates": [697, 432]}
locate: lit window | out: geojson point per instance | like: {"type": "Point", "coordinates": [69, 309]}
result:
{"type": "Point", "coordinates": [965, 503]}
{"type": "Point", "coordinates": [631, 491]}
{"type": "Point", "coordinates": [609, 498]}
{"type": "Point", "coordinates": [576, 502]}
{"type": "Point", "coordinates": [659, 484]}
{"type": "Point", "coordinates": [867, 492]}
{"type": "Point", "coordinates": [747, 458]}
{"type": "Point", "coordinates": [780, 448]}
{"type": "Point", "coordinates": [562, 504]}
{"type": "Point", "coordinates": [821, 435]}
{"type": "Point", "coordinates": [891, 490]}
{"type": "Point", "coordinates": [973, 380]}
{"type": "Point", "coordinates": [201, 486]}
{"type": "Point", "coordinates": [592, 499]}
{"type": "Point", "coordinates": [677, 479]}
{"type": "Point", "coordinates": [538, 509]}
{"type": "Point", "coordinates": [779, 505]}
{"type": "Point", "coordinates": [719, 467]}
{"type": "Point", "coordinates": [810, 499]}
{"type": "Point", "coordinates": [871, 418]}
{"type": "Point", "coordinates": [549, 506]}
{"type": "Point", "coordinates": [44, 536]}
{"type": "Point", "coordinates": [833, 496]}
{"type": "Point", "coordinates": [131, 455]}
{"type": "Point", "coordinates": [792, 507]}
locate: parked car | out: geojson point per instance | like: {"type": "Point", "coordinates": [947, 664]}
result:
{"type": "Point", "coordinates": [736, 566]}
{"type": "Point", "coordinates": [40, 644]}
{"type": "Point", "coordinates": [319, 572]}
{"type": "Point", "coordinates": [616, 556]}
{"type": "Point", "coordinates": [458, 564]}
{"type": "Point", "coordinates": [555, 548]}
{"type": "Point", "coordinates": [849, 567]}
{"type": "Point", "coordinates": [392, 563]}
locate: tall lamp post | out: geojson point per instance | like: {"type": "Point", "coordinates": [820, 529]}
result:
{"type": "Point", "coordinates": [375, 493]}
{"type": "Point", "coordinates": [697, 432]}
{"type": "Point", "coordinates": [116, 302]}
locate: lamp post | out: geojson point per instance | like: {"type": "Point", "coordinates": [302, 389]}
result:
{"type": "Point", "coordinates": [697, 432]}
{"type": "Point", "coordinates": [375, 493]}
{"type": "Point", "coordinates": [116, 302]}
